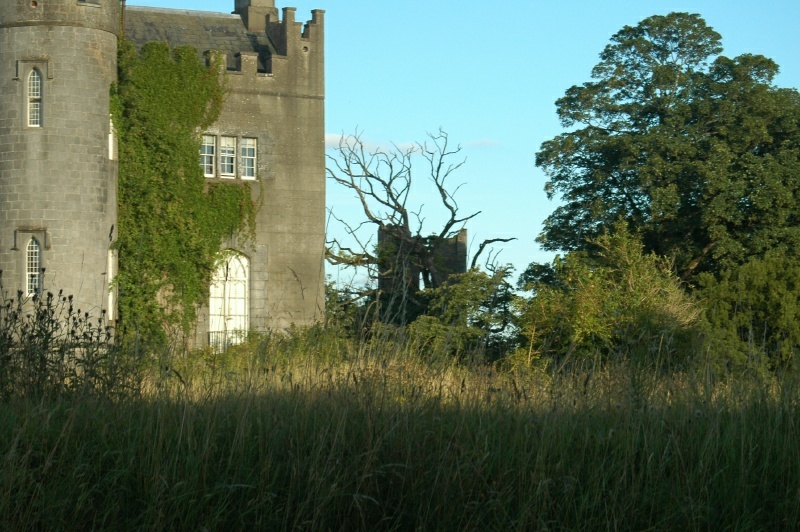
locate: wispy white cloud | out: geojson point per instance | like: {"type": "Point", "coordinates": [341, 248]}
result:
{"type": "Point", "coordinates": [332, 141]}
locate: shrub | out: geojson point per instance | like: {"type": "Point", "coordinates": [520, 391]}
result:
{"type": "Point", "coordinates": [618, 301]}
{"type": "Point", "coordinates": [754, 313]}
{"type": "Point", "coordinates": [470, 312]}
{"type": "Point", "coordinates": [50, 348]}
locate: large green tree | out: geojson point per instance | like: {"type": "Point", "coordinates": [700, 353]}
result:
{"type": "Point", "coordinates": [699, 153]}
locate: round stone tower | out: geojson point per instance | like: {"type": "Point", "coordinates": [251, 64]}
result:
{"type": "Point", "coordinates": [58, 173]}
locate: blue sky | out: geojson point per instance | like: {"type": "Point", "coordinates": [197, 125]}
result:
{"type": "Point", "coordinates": [489, 73]}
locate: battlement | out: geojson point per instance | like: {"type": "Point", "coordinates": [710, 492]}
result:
{"type": "Point", "coordinates": [245, 74]}
{"type": "Point", "coordinates": [292, 63]}
{"type": "Point", "coordinates": [287, 34]}
{"type": "Point", "coordinates": [284, 56]}
{"type": "Point", "coordinates": [262, 15]}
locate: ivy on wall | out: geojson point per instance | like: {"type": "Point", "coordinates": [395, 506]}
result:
{"type": "Point", "coordinates": [171, 221]}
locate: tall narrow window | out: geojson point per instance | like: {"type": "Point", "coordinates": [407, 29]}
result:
{"type": "Point", "coordinates": [35, 98]}
{"type": "Point", "coordinates": [248, 158]}
{"type": "Point", "coordinates": [227, 157]}
{"type": "Point", "coordinates": [207, 155]}
{"type": "Point", "coordinates": [112, 140]}
{"type": "Point", "coordinates": [228, 304]}
{"type": "Point", "coordinates": [111, 273]}
{"type": "Point", "coordinates": [33, 268]}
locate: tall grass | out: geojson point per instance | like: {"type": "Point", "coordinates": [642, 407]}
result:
{"type": "Point", "coordinates": [310, 431]}
{"type": "Point", "coordinates": [48, 347]}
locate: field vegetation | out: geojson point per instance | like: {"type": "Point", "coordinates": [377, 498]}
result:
{"type": "Point", "coordinates": [320, 430]}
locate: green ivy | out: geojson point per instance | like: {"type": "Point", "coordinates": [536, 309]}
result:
{"type": "Point", "coordinates": [171, 222]}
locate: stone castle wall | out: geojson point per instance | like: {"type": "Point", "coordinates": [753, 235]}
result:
{"type": "Point", "coordinates": [58, 181]}
{"type": "Point", "coordinates": [284, 109]}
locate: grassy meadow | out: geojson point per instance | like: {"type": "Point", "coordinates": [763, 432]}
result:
{"type": "Point", "coordinates": [313, 432]}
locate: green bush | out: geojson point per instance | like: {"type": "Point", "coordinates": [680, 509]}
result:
{"type": "Point", "coordinates": [754, 313]}
{"type": "Point", "coordinates": [616, 302]}
{"type": "Point", "coordinates": [470, 313]}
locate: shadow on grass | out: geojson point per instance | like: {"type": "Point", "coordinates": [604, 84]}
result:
{"type": "Point", "coordinates": [376, 445]}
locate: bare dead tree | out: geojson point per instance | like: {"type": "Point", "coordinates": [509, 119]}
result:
{"type": "Point", "coordinates": [382, 180]}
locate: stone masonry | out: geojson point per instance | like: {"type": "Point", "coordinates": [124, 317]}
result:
{"type": "Point", "coordinates": [58, 180]}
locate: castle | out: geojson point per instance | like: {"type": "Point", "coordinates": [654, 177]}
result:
{"type": "Point", "coordinates": [58, 159]}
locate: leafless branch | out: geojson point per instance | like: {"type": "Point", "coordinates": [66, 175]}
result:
{"type": "Point", "coordinates": [337, 254]}
{"type": "Point", "coordinates": [381, 180]}
{"type": "Point", "coordinates": [483, 245]}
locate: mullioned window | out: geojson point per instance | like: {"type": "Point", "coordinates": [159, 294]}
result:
{"type": "Point", "coordinates": [219, 157]}
{"type": "Point", "coordinates": [35, 98]}
{"type": "Point", "coordinates": [33, 268]}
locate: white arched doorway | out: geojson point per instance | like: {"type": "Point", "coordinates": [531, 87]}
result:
{"type": "Point", "coordinates": [229, 300]}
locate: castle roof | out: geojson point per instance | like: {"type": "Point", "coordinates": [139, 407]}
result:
{"type": "Point", "coordinates": [203, 30]}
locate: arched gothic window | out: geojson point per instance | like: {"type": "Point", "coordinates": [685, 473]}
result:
{"type": "Point", "coordinates": [229, 301]}
{"type": "Point", "coordinates": [35, 98]}
{"type": "Point", "coordinates": [33, 268]}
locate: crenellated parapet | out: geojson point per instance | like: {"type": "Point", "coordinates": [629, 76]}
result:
{"type": "Point", "coordinates": [296, 64]}
{"type": "Point", "coordinates": [287, 32]}
{"type": "Point", "coordinates": [262, 16]}
{"type": "Point", "coordinates": [262, 51]}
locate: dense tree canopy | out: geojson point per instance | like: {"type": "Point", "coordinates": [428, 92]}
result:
{"type": "Point", "coordinates": [697, 152]}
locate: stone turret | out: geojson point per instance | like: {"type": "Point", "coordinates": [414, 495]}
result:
{"type": "Point", "coordinates": [255, 13]}
{"type": "Point", "coordinates": [58, 169]}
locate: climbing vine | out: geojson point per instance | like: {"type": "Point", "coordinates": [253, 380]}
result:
{"type": "Point", "coordinates": [171, 222]}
